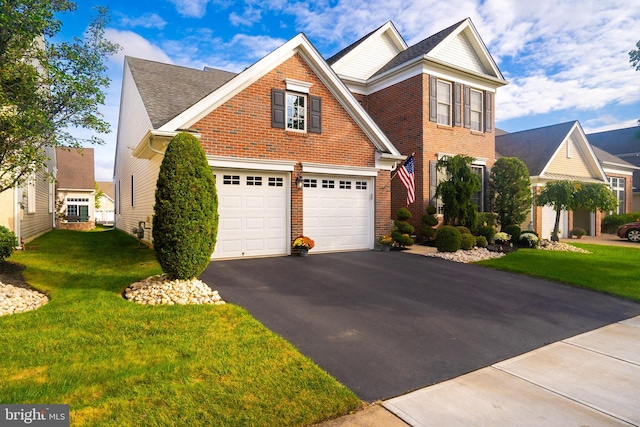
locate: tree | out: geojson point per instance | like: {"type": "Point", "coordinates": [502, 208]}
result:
{"type": "Point", "coordinates": [457, 190]}
{"type": "Point", "coordinates": [634, 57]}
{"type": "Point", "coordinates": [510, 189]}
{"type": "Point", "coordinates": [185, 224]}
{"type": "Point", "coordinates": [572, 195]}
{"type": "Point", "coordinates": [98, 196]}
{"type": "Point", "coordinates": [47, 88]}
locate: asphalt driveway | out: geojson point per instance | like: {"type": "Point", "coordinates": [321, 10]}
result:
{"type": "Point", "coordinates": [386, 323]}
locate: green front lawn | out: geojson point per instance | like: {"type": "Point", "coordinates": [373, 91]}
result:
{"type": "Point", "coordinates": [610, 269]}
{"type": "Point", "coordinates": [118, 363]}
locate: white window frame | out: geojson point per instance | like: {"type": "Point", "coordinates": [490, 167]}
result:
{"type": "Point", "coordinates": [618, 189]}
{"type": "Point", "coordinates": [444, 103]}
{"type": "Point", "coordinates": [295, 115]}
{"type": "Point", "coordinates": [476, 111]}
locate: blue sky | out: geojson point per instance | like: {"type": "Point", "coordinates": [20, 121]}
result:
{"type": "Point", "coordinates": [565, 59]}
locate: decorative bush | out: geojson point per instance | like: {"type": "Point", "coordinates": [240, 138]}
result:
{"type": "Point", "coordinates": [402, 230]}
{"type": "Point", "coordinates": [448, 239]}
{"type": "Point", "coordinates": [529, 239]}
{"type": "Point", "coordinates": [578, 232]}
{"type": "Point", "coordinates": [487, 231]}
{"type": "Point", "coordinates": [501, 238]}
{"type": "Point", "coordinates": [467, 241]}
{"type": "Point", "coordinates": [8, 243]}
{"type": "Point", "coordinates": [611, 223]}
{"type": "Point", "coordinates": [429, 220]}
{"type": "Point", "coordinates": [303, 242]}
{"type": "Point", "coordinates": [481, 242]}
{"type": "Point", "coordinates": [463, 230]}
{"type": "Point", "coordinates": [487, 218]}
{"type": "Point", "coordinates": [185, 224]}
{"type": "Point", "coordinates": [514, 231]}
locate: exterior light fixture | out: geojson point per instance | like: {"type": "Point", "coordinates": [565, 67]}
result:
{"type": "Point", "coordinates": [299, 180]}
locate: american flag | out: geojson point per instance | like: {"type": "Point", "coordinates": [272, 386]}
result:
{"type": "Point", "coordinates": [406, 174]}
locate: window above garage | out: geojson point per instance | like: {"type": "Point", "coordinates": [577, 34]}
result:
{"type": "Point", "coordinates": [295, 110]}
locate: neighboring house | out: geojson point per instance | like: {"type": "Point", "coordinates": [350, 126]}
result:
{"type": "Point", "coordinates": [562, 152]}
{"type": "Point", "coordinates": [435, 98]}
{"type": "Point", "coordinates": [105, 204]}
{"type": "Point", "coordinates": [292, 150]}
{"type": "Point", "coordinates": [624, 144]}
{"type": "Point", "coordinates": [75, 189]}
{"type": "Point", "coordinates": [28, 210]}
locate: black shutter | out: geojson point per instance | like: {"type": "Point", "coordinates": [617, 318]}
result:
{"type": "Point", "coordinates": [457, 104]}
{"type": "Point", "coordinates": [277, 108]}
{"type": "Point", "coordinates": [433, 99]}
{"type": "Point", "coordinates": [467, 107]}
{"type": "Point", "coordinates": [488, 112]}
{"type": "Point", "coordinates": [433, 182]}
{"type": "Point", "coordinates": [315, 114]}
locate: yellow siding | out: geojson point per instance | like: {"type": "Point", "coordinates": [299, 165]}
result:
{"type": "Point", "coordinates": [7, 209]}
{"type": "Point", "coordinates": [576, 165]}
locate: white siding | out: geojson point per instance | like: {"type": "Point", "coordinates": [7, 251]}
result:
{"type": "Point", "coordinates": [368, 60]}
{"type": "Point", "coordinates": [38, 219]}
{"type": "Point", "coordinates": [458, 51]}
{"type": "Point", "coordinates": [133, 125]}
{"type": "Point", "coordinates": [573, 165]}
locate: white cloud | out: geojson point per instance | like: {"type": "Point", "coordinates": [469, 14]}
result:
{"type": "Point", "coordinates": [148, 20]}
{"type": "Point", "coordinates": [133, 44]}
{"type": "Point", "coordinates": [191, 8]}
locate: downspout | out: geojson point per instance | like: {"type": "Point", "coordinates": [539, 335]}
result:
{"type": "Point", "coordinates": [153, 149]}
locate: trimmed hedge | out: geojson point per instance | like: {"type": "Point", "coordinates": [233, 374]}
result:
{"type": "Point", "coordinates": [481, 242]}
{"type": "Point", "coordinates": [611, 223]}
{"type": "Point", "coordinates": [467, 241]}
{"type": "Point", "coordinates": [8, 243]}
{"type": "Point", "coordinates": [448, 239]}
{"type": "Point", "coordinates": [185, 224]}
{"type": "Point", "coordinates": [514, 231]}
{"type": "Point", "coordinates": [487, 231]}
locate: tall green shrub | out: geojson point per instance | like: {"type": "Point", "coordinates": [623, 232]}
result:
{"type": "Point", "coordinates": [8, 243]}
{"type": "Point", "coordinates": [185, 224]}
{"type": "Point", "coordinates": [457, 190]}
{"type": "Point", "coordinates": [448, 239]}
{"type": "Point", "coordinates": [429, 220]}
{"type": "Point", "coordinates": [510, 190]}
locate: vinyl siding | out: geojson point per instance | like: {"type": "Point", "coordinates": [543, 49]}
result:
{"type": "Point", "coordinates": [133, 126]}
{"type": "Point", "coordinates": [366, 62]}
{"type": "Point", "coordinates": [459, 52]}
{"type": "Point", "coordinates": [576, 165]}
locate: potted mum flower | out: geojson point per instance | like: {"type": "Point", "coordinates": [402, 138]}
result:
{"type": "Point", "coordinates": [386, 241]}
{"type": "Point", "coordinates": [501, 238]}
{"type": "Point", "coordinates": [303, 244]}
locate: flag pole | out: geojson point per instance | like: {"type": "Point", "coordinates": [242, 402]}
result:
{"type": "Point", "coordinates": [396, 171]}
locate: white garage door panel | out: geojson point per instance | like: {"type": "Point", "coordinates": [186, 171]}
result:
{"type": "Point", "coordinates": [253, 214]}
{"type": "Point", "coordinates": [338, 212]}
{"type": "Point", "coordinates": [549, 220]}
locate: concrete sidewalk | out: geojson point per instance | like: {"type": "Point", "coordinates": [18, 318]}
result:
{"type": "Point", "coordinates": [589, 379]}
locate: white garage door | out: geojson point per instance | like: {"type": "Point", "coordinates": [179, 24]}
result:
{"type": "Point", "coordinates": [252, 206]}
{"type": "Point", "coordinates": [549, 220]}
{"type": "Point", "coordinates": [338, 212]}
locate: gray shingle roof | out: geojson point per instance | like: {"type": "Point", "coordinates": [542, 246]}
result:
{"type": "Point", "coordinates": [75, 168]}
{"type": "Point", "coordinates": [619, 141]}
{"type": "Point", "coordinates": [534, 147]}
{"type": "Point", "coordinates": [168, 90]}
{"type": "Point", "coordinates": [419, 49]}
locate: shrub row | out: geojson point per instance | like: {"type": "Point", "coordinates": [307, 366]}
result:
{"type": "Point", "coordinates": [611, 223]}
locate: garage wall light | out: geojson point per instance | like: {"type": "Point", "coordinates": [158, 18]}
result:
{"type": "Point", "coordinates": [299, 180]}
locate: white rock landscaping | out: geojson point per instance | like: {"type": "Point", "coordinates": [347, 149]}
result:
{"type": "Point", "coordinates": [14, 299]}
{"type": "Point", "coordinates": [157, 290]}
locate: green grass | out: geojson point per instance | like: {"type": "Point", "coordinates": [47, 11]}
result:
{"type": "Point", "coordinates": [608, 269]}
{"type": "Point", "coordinates": [118, 363]}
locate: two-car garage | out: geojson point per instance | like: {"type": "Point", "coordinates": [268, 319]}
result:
{"type": "Point", "coordinates": [255, 212]}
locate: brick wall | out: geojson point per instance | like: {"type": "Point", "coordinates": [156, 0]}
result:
{"type": "Point", "coordinates": [402, 112]}
{"type": "Point", "coordinates": [242, 128]}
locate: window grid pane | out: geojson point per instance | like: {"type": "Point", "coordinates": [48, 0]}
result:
{"type": "Point", "coordinates": [296, 112]}
{"type": "Point", "coordinates": [444, 103]}
{"type": "Point", "coordinates": [476, 110]}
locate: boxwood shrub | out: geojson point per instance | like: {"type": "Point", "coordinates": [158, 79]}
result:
{"type": "Point", "coordinates": [467, 241]}
{"type": "Point", "coordinates": [487, 231]}
{"type": "Point", "coordinates": [481, 242]}
{"type": "Point", "coordinates": [8, 243]}
{"type": "Point", "coordinates": [448, 239]}
{"type": "Point", "coordinates": [514, 231]}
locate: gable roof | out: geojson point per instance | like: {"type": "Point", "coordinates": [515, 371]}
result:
{"type": "Point", "coordinates": [341, 54]}
{"type": "Point", "coordinates": [168, 90]}
{"type": "Point", "coordinates": [75, 168]}
{"type": "Point", "coordinates": [107, 188]}
{"type": "Point", "coordinates": [538, 147]}
{"type": "Point", "coordinates": [298, 45]}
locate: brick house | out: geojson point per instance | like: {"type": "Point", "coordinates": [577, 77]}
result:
{"type": "Point", "coordinates": [292, 150]}
{"type": "Point", "coordinates": [435, 98]}
{"type": "Point", "coordinates": [563, 152]}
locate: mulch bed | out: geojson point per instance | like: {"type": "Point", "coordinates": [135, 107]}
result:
{"type": "Point", "coordinates": [11, 274]}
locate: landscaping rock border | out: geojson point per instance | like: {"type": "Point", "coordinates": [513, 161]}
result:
{"type": "Point", "coordinates": [157, 290]}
